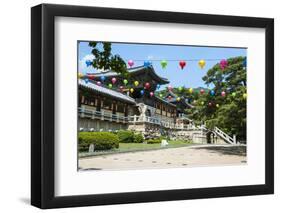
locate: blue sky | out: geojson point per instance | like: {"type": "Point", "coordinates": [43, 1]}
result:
{"type": "Point", "coordinates": [190, 76]}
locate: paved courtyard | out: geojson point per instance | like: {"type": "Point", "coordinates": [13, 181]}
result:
{"type": "Point", "coordinates": [200, 155]}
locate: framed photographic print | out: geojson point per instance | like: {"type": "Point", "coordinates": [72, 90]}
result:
{"type": "Point", "coordinates": [139, 106]}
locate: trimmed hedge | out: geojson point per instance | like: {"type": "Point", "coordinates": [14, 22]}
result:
{"type": "Point", "coordinates": [125, 136]}
{"type": "Point", "coordinates": [101, 140]}
{"type": "Point", "coordinates": [138, 138]}
{"type": "Point", "coordinates": [153, 141]}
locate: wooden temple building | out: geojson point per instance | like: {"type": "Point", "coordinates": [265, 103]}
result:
{"type": "Point", "coordinates": [104, 108]}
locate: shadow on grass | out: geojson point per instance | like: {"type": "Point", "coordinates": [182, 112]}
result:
{"type": "Point", "coordinates": [226, 150]}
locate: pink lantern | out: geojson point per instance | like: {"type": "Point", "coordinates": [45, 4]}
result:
{"type": "Point", "coordinates": [169, 97]}
{"type": "Point", "coordinates": [210, 104]}
{"type": "Point", "coordinates": [202, 91]}
{"type": "Point", "coordinates": [223, 64]}
{"type": "Point", "coordinates": [151, 94]}
{"type": "Point", "coordinates": [147, 85]}
{"type": "Point", "coordinates": [170, 87]}
{"type": "Point", "coordinates": [113, 80]}
{"type": "Point", "coordinates": [223, 93]}
{"type": "Point", "coordinates": [99, 83]}
{"type": "Point", "coordinates": [131, 63]}
{"type": "Point", "coordinates": [121, 88]}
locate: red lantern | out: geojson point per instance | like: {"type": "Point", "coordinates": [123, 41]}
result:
{"type": "Point", "coordinates": [147, 85]}
{"type": "Point", "coordinates": [151, 94]}
{"type": "Point", "coordinates": [182, 64]}
{"type": "Point", "coordinates": [223, 93]}
{"type": "Point", "coordinates": [210, 104]}
{"type": "Point", "coordinates": [202, 91]}
{"type": "Point", "coordinates": [91, 77]}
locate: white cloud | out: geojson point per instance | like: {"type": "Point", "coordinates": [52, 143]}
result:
{"type": "Point", "coordinates": [82, 64]}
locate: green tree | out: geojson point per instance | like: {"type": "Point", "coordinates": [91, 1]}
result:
{"type": "Point", "coordinates": [229, 112]}
{"type": "Point", "coordinates": [105, 60]}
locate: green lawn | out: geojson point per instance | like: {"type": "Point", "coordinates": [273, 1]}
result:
{"type": "Point", "coordinates": [130, 147]}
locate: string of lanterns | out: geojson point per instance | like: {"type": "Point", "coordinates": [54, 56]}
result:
{"type": "Point", "coordinates": [223, 64]}
{"type": "Point", "coordinates": [182, 63]}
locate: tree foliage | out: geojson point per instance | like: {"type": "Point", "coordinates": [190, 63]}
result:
{"type": "Point", "coordinates": [229, 112]}
{"type": "Point", "coordinates": [105, 60]}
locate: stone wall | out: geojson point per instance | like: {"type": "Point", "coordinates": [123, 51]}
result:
{"type": "Point", "coordinates": [100, 125]}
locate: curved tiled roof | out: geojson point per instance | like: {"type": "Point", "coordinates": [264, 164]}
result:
{"type": "Point", "coordinates": [133, 70]}
{"type": "Point", "coordinates": [106, 91]}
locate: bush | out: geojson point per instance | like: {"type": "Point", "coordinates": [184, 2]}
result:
{"type": "Point", "coordinates": [101, 140]}
{"type": "Point", "coordinates": [125, 136]}
{"type": "Point", "coordinates": [153, 141]}
{"type": "Point", "coordinates": [138, 138]}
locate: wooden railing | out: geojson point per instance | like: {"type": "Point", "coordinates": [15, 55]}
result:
{"type": "Point", "coordinates": [102, 115]}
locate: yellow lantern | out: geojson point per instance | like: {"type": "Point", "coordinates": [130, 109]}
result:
{"type": "Point", "coordinates": [202, 63]}
{"type": "Point", "coordinates": [190, 90]}
{"type": "Point", "coordinates": [178, 98]}
{"type": "Point", "coordinates": [131, 90]}
{"type": "Point", "coordinates": [80, 75]}
{"type": "Point", "coordinates": [245, 95]}
{"type": "Point", "coordinates": [217, 105]}
{"type": "Point", "coordinates": [136, 83]}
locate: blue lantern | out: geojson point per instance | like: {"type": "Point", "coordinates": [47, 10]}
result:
{"type": "Point", "coordinates": [212, 93]}
{"type": "Point", "coordinates": [86, 80]}
{"type": "Point", "coordinates": [102, 78]}
{"type": "Point", "coordinates": [88, 63]}
{"type": "Point", "coordinates": [158, 86]}
{"type": "Point", "coordinates": [146, 64]}
{"type": "Point", "coordinates": [142, 92]}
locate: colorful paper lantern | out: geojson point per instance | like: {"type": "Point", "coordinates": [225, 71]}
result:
{"type": "Point", "coordinates": [91, 77]}
{"type": "Point", "coordinates": [233, 94]}
{"type": "Point", "coordinates": [178, 98]}
{"type": "Point", "coordinates": [151, 94]}
{"type": "Point", "coordinates": [86, 80]}
{"type": "Point", "coordinates": [164, 64]}
{"type": "Point", "coordinates": [113, 80]}
{"type": "Point", "coordinates": [158, 86]}
{"type": "Point", "coordinates": [202, 63]}
{"type": "Point", "coordinates": [170, 87]}
{"type": "Point", "coordinates": [146, 64]}
{"type": "Point", "coordinates": [169, 97]}
{"type": "Point", "coordinates": [245, 96]}
{"type": "Point", "coordinates": [223, 93]}
{"type": "Point", "coordinates": [182, 64]}
{"type": "Point", "coordinates": [131, 63]}
{"type": "Point", "coordinates": [121, 88]}
{"type": "Point", "coordinates": [142, 92]}
{"type": "Point", "coordinates": [180, 89]}
{"type": "Point", "coordinates": [99, 83]}
{"type": "Point", "coordinates": [223, 64]}
{"type": "Point", "coordinates": [147, 85]}
{"type": "Point", "coordinates": [202, 103]}
{"type": "Point", "coordinates": [217, 105]}
{"type": "Point", "coordinates": [80, 75]}
{"type": "Point", "coordinates": [102, 78]}
{"type": "Point", "coordinates": [190, 90]}
{"type": "Point", "coordinates": [131, 90]}
{"type": "Point", "coordinates": [136, 83]}
{"type": "Point", "coordinates": [210, 104]}
{"type": "Point", "coordinates": [125, 81]}
{"type": "Point", "coordinates": [212, 92]}
{"type": "Point", "coordinates": [202, 91]}
{"type": "Point", "coordinates": [88, 63]}
{"type": "Point", "coordinates": [160, 95]}
{"type": "Point", "coordinates": [110, 86]}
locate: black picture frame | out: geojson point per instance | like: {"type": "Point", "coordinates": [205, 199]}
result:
{"type": "Point", "coordinates": [43, 110]}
